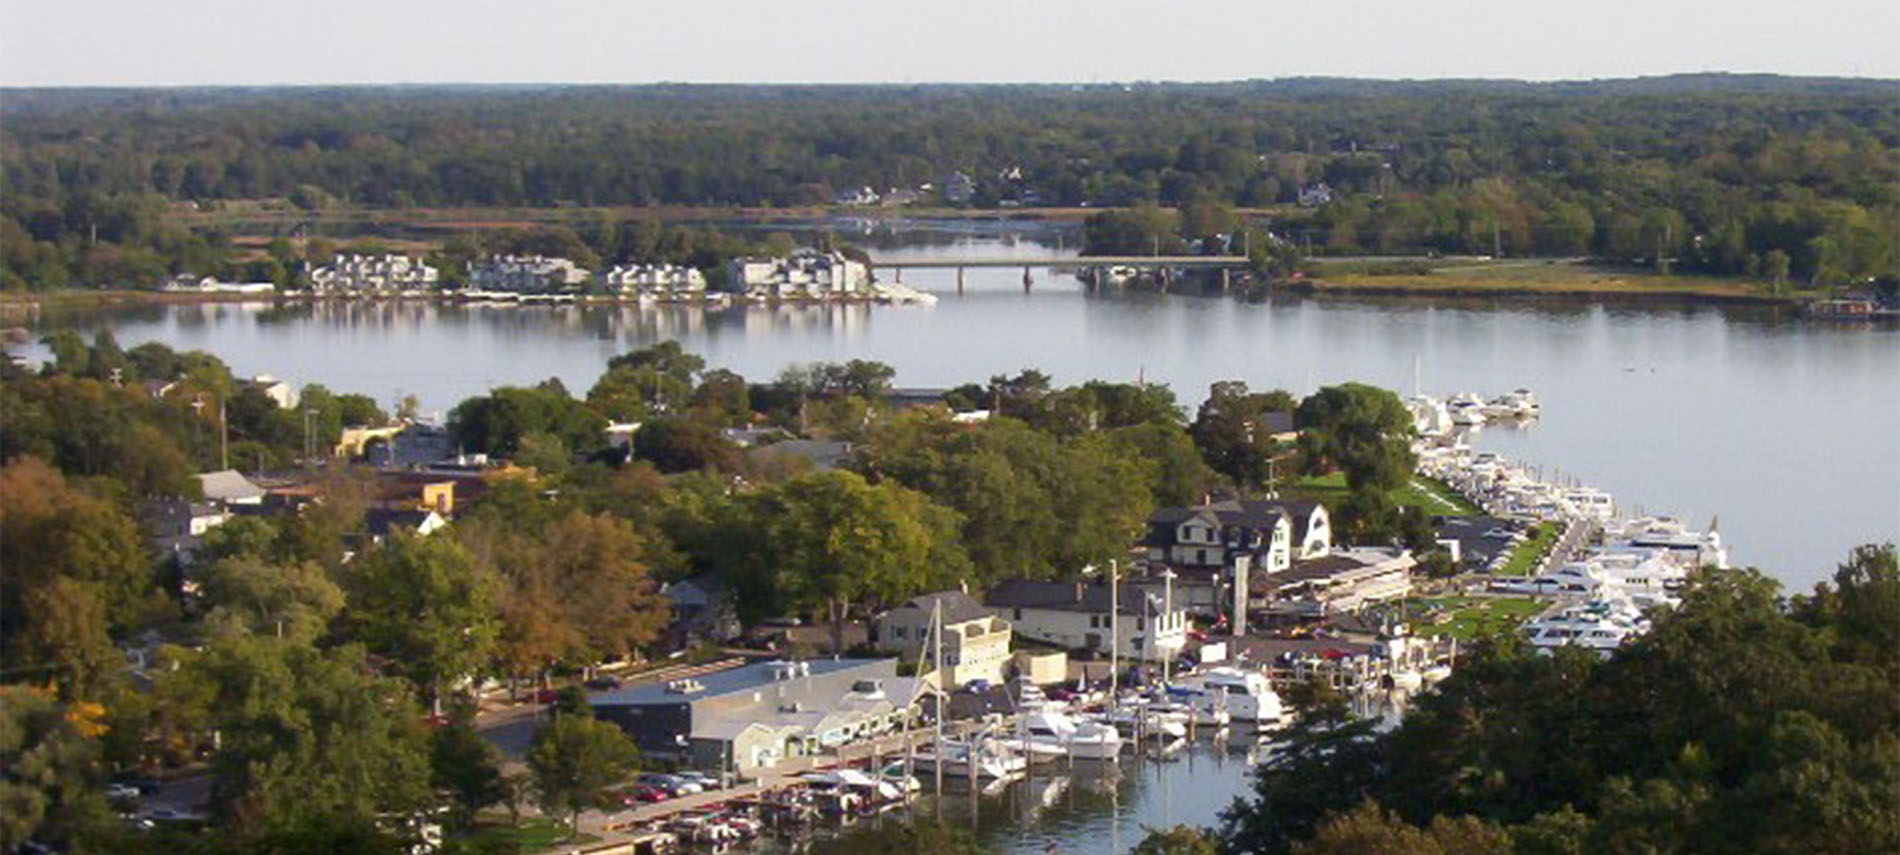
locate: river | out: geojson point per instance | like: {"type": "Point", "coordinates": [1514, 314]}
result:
{"type": "Point", "coordinates": [1788, 430]}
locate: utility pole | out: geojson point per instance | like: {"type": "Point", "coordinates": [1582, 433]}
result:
{"type": "Point", "coordinates": [224, 436]}
{"type": "Point", "coordinates": [1167, 614]}
{"type": "Point", "coordinates": [936, 654]}
{"type": "Point", "coordinates": [1114, 632]}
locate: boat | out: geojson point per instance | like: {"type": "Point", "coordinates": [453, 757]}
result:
{"type": "Point", "coordinates": [1203, 708]}
{"type": "Point", "coordinates": [895, 775]}
{"type": "Point", "coordinates": [1246, 695]}
{"type": "Point", "coordinates": [1078, 739]}
{"type": "Point", "coordinates": [1436, 674]}
{"type": "Point", "coordinates": [1466, 410]}
{"type": "Point", "coordinates": [1145, 720]}
{"type": "Point", "coordinates": [992, 760]}
{"type": "Point", "coordinates": [1601, 624]}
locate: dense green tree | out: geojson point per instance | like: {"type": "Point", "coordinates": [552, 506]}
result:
{"type": "Point", "coordinates": [573, 759]}
{"type": "Point", "coordinates": [426, 605]}
{"type": "Point", "coordinates": [50, 776]}
{"type": "Point", "coordinates": [1232, 432]}
{"type": "Point", "coordinates": [465, 764]}
{"type": "Point", "coordinates": [246, 596]}
{"type": "Point", "coordinates": [835, 540]}
{"type": "Point", "coordinates": [306, 737]}
{"type": "Point", "coordinates": [495, 423]}
{"type": "Point", "coordinates": [72, 566]}
{"type": "Point", "coordinates": [684, 444]}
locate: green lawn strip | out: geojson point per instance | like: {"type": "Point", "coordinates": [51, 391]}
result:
{"type": "Point", "coordinates": [1423, 493]}
{"type": "Point", "coordinates": [535, 834]}
{"type": "Point", "coordinates": [1525, 558]}
{"type": "Point", "coordinates": [1475, 617]}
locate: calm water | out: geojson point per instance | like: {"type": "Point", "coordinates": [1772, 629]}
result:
{"type": "Point", "coordinates": [1094, 809]}
{"type": "Point", "coordinates": [1789, 431]}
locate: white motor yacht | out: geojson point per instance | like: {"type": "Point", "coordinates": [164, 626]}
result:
{"type": "Point", "coordinates": [1246, 695]}
{"type": "Point", "coordinates": [1081, 739]}
{"type": "Point", "coordinates": [993, 760]}
{"type": "Point", "coordinates": [1601, 625]}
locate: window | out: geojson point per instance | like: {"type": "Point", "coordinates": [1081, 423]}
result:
{"type": "Point", "coordinates": [1016, 614]}
{"type": "Point", "coordinates": [897, 632]}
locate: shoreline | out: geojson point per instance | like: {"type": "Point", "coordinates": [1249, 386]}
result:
{"type": "Point", "coordinates": [1666, 295]}
{"type": "Point", "coordinates": [1686, 294]}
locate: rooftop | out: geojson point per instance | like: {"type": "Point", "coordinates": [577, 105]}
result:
{"type": "Point", "coordinates": [957, 606]}
{"type": "Point", "coordinates": [1090, 597]}
{"type": "Point", "coordinates": [744, 678]}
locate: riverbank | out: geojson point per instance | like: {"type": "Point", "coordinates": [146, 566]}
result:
{"type": "Point", "coordinates": [1536, 278]}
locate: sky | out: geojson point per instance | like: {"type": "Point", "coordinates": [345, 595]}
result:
{"type": "Point", "coordinates": [252, 42]}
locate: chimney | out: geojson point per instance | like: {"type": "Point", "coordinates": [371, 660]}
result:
{"type": "Point", "coordinates": [1242, 565]}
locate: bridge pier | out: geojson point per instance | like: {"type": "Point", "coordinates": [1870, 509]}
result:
{"type": "Point", "coordinates": [959, 281]}
{"type": "Point", "coordinates": [899, 272]}
{"type": "Point", "coordinates": [1027, 279]}
{"type": "Point", "coordinates": [1226, 279]}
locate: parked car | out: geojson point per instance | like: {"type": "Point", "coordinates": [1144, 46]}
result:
{"type": "Point", "coordinates": [604, 684]}
{"type": "Point", "coordinates": [703, 780]}
{"type": "Point", "coordinates": [546, 696]}
{"type": "Point", "coordinates": [643, 793]}
{"type": "Point", "coordinates": [674, 785]}
{"type": "Point", "coordinates": [122, 792]}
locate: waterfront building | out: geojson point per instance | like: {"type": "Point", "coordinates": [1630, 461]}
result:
{"type": "Point", "coordinates": [1077, 616]}
{"type": "Point", "coordinates": [975, 639]}
{"type": "Point", "coordinates": [524, 274]}
{"type": "Point", "coordinates": [751, 717]}
{"type": "Point", "coordinates": [805, 274]}
{"type": "Point", "coordinates": [1213, 534]}
{"type": "Point", "coordinates": [653, 280]}
{"type": "Point", "coordinates": [1341, 582]}
{"type": "Point", "coordinates": [350, 273]}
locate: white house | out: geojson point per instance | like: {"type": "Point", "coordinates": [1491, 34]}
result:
{"type": "Point", "coordinates": [284, 395]}
{"type": "Point", "coordinates": [653, 280]}
{"type": "Point", "coordinates": [975, 639]}
{"type": "Point", "coordinates": [806, 273]}
{"type": "Point", "coordinates": [1077, 616]}
{"type": "Point", "coordinates": [524, 274]}
{"type": "Point", "coordinates": [1274, 534]}
{"type": "Point", "coordinates": [350, 273]}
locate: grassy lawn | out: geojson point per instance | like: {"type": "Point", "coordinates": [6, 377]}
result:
{"type": "Point", "coordinates": [535, 834]}
{"type": "Point", "coordinates": [1525, 558]}
{"type": "Point", "coordinates": [1530, 276]}
{"type": "Point", "coordinates": [1424, 493]}
{"type": "Point", "coordinates": [1475, 617]}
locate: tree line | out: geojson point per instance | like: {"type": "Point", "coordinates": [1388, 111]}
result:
{"type": "Point", "coordinates": [1790, 179]}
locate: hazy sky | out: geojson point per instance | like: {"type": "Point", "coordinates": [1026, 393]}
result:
{"type": "Point", "coordinates": [88, 42]}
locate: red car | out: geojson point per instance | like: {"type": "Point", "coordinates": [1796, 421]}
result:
{"type": "Point", "coordinates": [643, 793]}
{"type": "Point", "coordinates": [546, 696]}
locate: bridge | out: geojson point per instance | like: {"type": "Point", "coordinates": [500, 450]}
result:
{"type": "Point", "coordinates": [1163, 264]}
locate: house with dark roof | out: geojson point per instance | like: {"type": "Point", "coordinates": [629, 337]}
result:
{"type": "Point", "coordinates": [975, 639]}
{"type": "Point", "coordinates": [1089, 615]}
{"type": "Point", "coordinates": [1211, 535]}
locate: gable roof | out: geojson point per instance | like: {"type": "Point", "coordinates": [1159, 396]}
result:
{"type": "Point", "coordinates": [957, 606]}
{"type": "Point", "coordinates": [1090, 597]}
{"type": "Point", "coordinates": [229, 485]}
